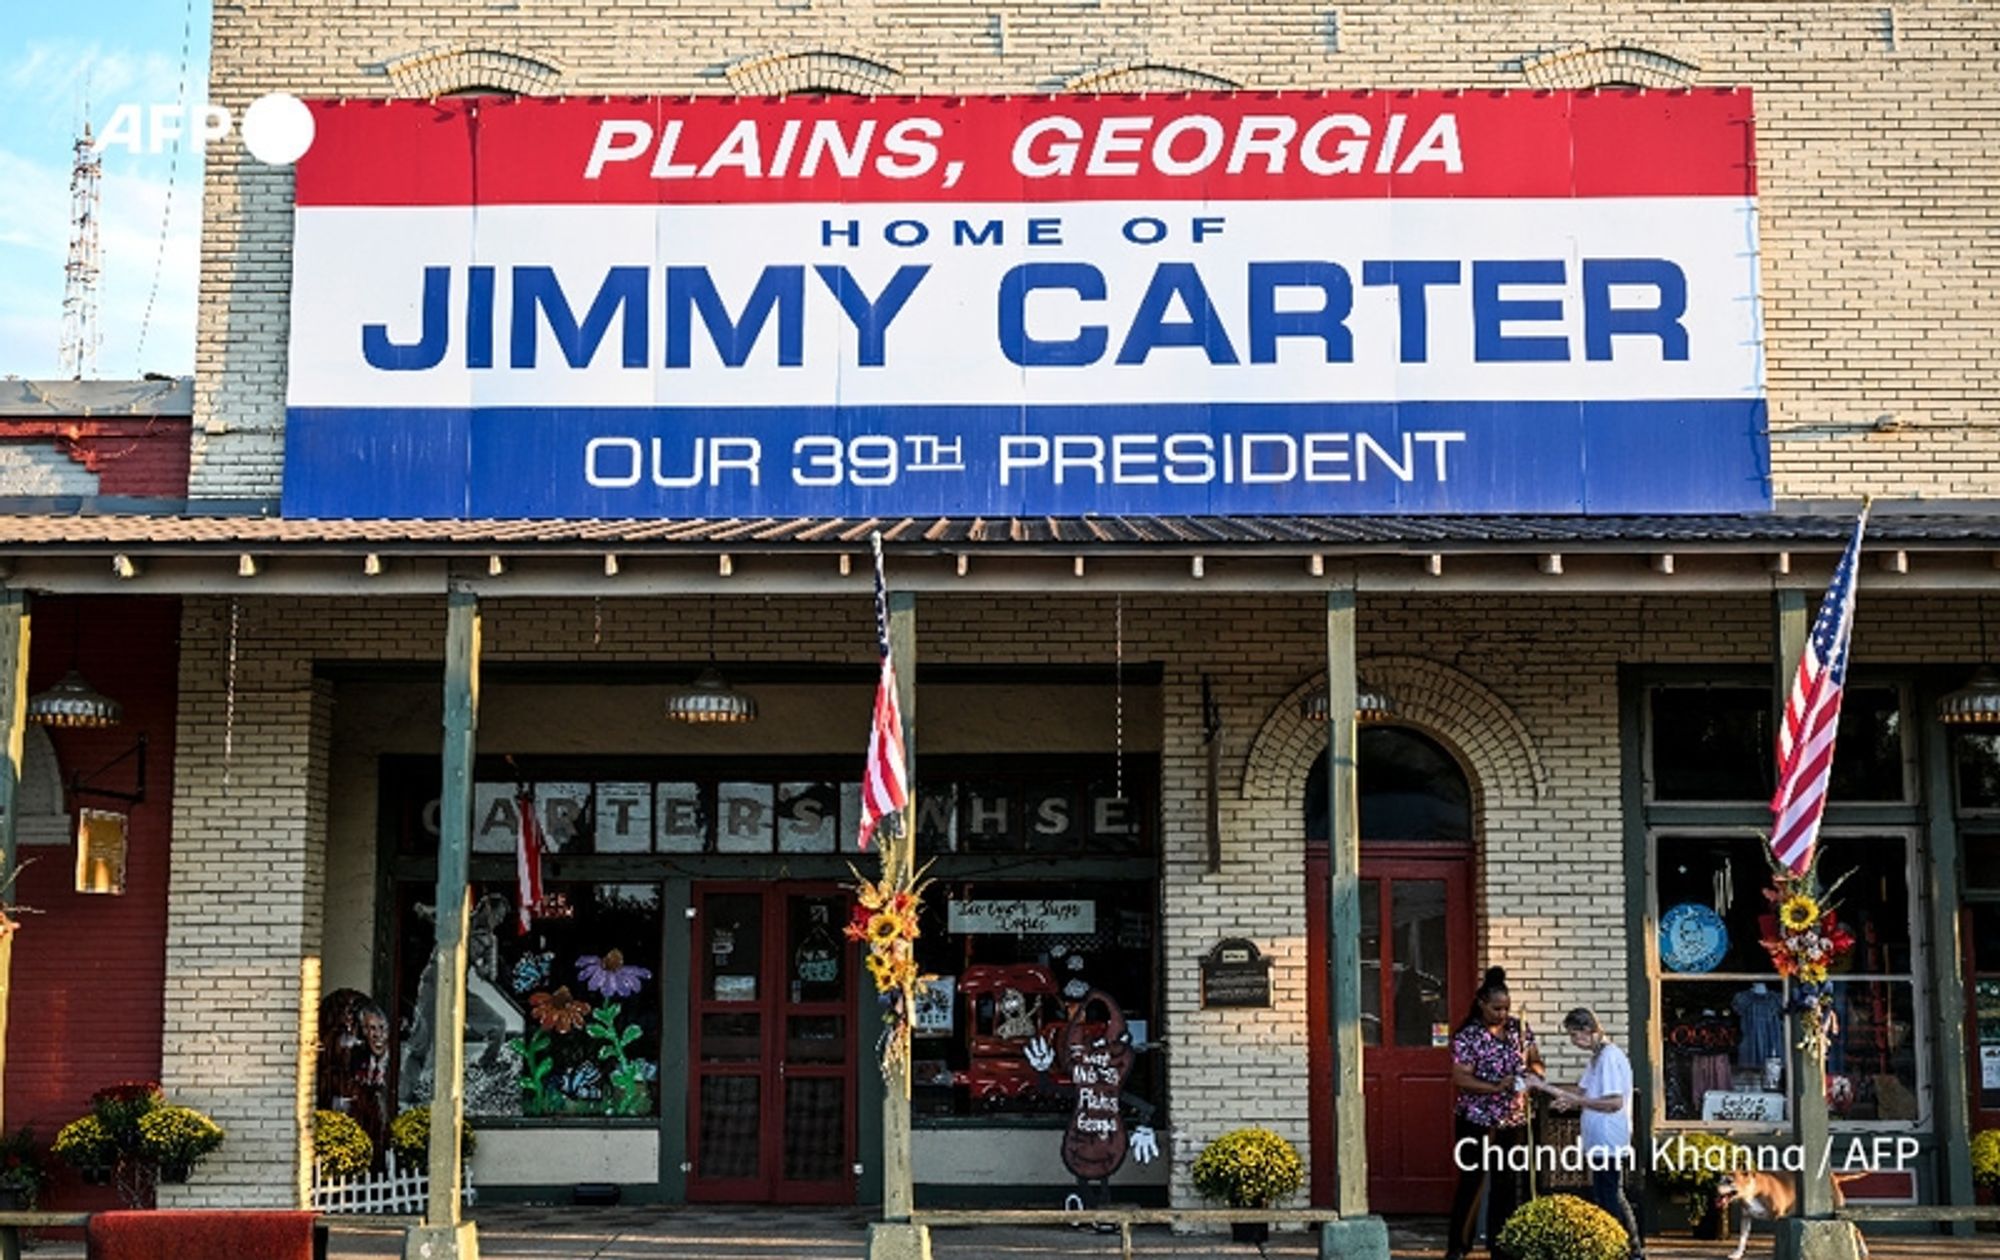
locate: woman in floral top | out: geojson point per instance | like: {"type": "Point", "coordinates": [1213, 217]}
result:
{"type": "Point", "coordinates": [1493, 1061]}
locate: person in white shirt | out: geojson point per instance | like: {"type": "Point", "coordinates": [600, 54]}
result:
{"type": "Point", "coordinates": [1604, 1095]}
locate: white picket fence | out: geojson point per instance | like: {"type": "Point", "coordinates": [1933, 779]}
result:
{"type": "Point", "coordinates": [396, 1191]}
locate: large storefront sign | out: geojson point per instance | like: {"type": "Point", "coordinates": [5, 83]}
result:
{"type": "Point", "coordinates": [1290, 303]}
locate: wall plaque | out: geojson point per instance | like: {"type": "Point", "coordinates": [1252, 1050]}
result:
{"type": "Point", "coordinates": [1234, 973]}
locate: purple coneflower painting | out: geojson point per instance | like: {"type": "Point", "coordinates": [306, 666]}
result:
{"type": "Point", "coordinates": [610, 975]}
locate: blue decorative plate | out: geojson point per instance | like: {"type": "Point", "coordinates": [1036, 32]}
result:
{"type": "Point", "coordinates": [1692, 938]}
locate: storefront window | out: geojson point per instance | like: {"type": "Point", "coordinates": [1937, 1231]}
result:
{"type": "Point", "coordinates": [1978, 777]}
{"type": "Point", "coordinates": [1982, 931]}
{"type": "Point", "coordinates": [1723, 1036]}
{"type": "Point", "coordinates": [1013, 961]}
{"type": "Point", "coordinates": [1009, 805]}
{"type": "Point", "coordinates": [563, 1020]}
{"type": "Point", "coordinates": [1714, 744]}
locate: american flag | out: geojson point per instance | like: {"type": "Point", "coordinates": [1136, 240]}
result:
{"type": "Point", "coordinates": [1812, 716]}
{"type": "Point", "coordinates": [884, 791]}
{"type": "Point", "coordinates": [527, 861]}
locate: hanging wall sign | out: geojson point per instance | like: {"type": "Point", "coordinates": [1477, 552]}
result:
{"type": "Point", "coordinates": [1026, 917]}
{"type": "Point", "coordinates": [1205, 304]}
{"type": "Point", "coordinates": [100, 851]}
{"type": "Point", "coordinates": [1235, 973]}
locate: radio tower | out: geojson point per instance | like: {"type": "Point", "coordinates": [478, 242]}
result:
{"type": "Point", "coordinates": [79, 332]}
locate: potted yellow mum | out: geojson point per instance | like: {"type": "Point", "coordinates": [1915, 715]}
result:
{"type": "Point", "coordinates": [1249, 1168]}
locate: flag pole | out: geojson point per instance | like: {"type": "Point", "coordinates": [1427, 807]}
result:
{"type": "Point", "coordinates": [1808, 694]}
{"type": "Point", "coordinates": [896, 1237]}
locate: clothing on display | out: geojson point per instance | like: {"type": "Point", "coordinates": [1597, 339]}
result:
{"type": "Point", "coordinates": [1760, 1026]}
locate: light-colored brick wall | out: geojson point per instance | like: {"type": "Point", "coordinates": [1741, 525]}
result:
{"type": "Point", "coordinates": [245, 906]}
{"type": "Point", "coordinates": [1878, 154]}
{"type": "Point", "coordinates": [1524, 689]}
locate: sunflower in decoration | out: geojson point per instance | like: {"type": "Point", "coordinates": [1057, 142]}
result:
{"type": "Point", "coordinates": [1798, 913]}
{"type": "Point", "coordinates": [1806, 942]}
{"type": "Point", "coordinates": [885, 919]}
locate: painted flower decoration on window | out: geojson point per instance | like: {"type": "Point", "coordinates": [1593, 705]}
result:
{"type": "Point", "coordinates": [610, 975]}
{"type": "Point", "coordinates": [559, 1012]}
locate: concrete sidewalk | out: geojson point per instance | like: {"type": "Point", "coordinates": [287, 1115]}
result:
{"type": "Point", "coordinates": [656, 1233]}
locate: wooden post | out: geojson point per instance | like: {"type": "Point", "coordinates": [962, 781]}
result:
{"type": "Point", "coordinates": [1356, 1235]}
{"type": "Point", "coordinates": [1809, 1115]}
{"type": "Point", "coordinates": [1350, 1133]}
{"type": "Point", "coordinates": [444, 1235]}
{"type": "Point", "coordinates": [1813, 1234]}
{"type": "Point", "coordinates": [13, 728]}
{"type": "Point", "coordinates": [896, 1238]}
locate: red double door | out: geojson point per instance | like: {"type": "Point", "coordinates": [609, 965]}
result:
{"type": "Point", "coordinates": [1417, 961]}
{"type": "Point", "coordinates": [771, 1107]}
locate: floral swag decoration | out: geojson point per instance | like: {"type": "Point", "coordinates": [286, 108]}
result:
{"type": "Point", "coordinates": [1803, 936]}
{"type": "Point", "coordinates": [885, 920]}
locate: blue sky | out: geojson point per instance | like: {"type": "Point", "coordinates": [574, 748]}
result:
{"type": "Point", "coordinates": [121, 52]}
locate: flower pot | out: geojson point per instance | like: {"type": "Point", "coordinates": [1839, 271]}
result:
{"type": "Point", "coordinates": [1257, 1232]}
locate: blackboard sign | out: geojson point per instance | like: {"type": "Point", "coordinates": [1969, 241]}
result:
{"type": "Point", "coordinates": [1235, 974]}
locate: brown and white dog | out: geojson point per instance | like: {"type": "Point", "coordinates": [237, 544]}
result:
{"type": "Point", "coordinates": [1766, 1196]}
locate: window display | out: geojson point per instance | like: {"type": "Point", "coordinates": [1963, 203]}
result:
{"type": "Point", "coordinates": [561, 1021]}
{"type": "Point", "coordinates": [1723, 1029]}
{"type": "Point", "coordinates": [1014, 965]}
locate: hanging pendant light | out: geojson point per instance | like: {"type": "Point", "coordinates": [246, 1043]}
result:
{"type": "Point", "coordinates": [1371, 704]}
{"type": "Point", "coordinates": [710, 698]}
{"type": "Point", "coordinates": [1977, 703]}
{"type": "Point", "coordinates": [73, 702]}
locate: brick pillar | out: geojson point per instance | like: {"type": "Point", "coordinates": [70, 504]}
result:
{"type": "Point", "coordinates": [244, 906]}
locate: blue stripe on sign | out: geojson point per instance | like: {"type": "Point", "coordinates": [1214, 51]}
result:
{"type": "Point", "coordinates": [1242, 459]}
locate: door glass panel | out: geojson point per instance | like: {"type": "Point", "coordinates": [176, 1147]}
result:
{"type": "Point", "coordinates": [816, 1039]}
{"type": "Point", "coordinates": [815, 1128]}
{"type": "Point", "coordinates": [1371, 962]}
{"type": "Point", "coordinates": [732, 1037]}
{"type": "Point", "coordinates": [1417, 985]}
{"type": "Point", "coordinates": [732, 940]}
{"type": "Point", "coordinates": [730, 1122]}
{"type": "Point", "coordinates": [816, 956]}
{"type": "Point", "coordinates": [1985, 1067]}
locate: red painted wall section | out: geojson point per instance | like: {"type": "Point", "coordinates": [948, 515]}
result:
{"type": "Point", "coordinates": [130, 455]}
{"type": "Point", "coordinates": [89, 970]}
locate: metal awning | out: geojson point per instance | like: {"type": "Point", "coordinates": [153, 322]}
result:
{"type": "Point", "coordinates": [1940, 548]}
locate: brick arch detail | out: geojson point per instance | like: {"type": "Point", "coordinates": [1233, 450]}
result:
{"type": "Point", "coordinates": [435, 71]}
{"type": "Point", "coordinates": [813, 70]}
{"type": "Point", "coordinates": [1148, 76]}
{"type": "Point", "coordinates": [1602, 65]}
{"type": "Point", "coordinates": [1475, 725]}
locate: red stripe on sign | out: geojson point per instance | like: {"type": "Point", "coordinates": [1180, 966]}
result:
{"type": "Point", "coordinates": [1186, 147]}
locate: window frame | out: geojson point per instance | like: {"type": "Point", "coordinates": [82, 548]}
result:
{"type": "Point", "coordinates": [1650, 817]}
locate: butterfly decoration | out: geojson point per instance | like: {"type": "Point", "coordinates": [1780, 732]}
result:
{"type": "Point", "coordinates": [532, 971]}
{"type": "Point", "coordinates": [583, 1082]}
